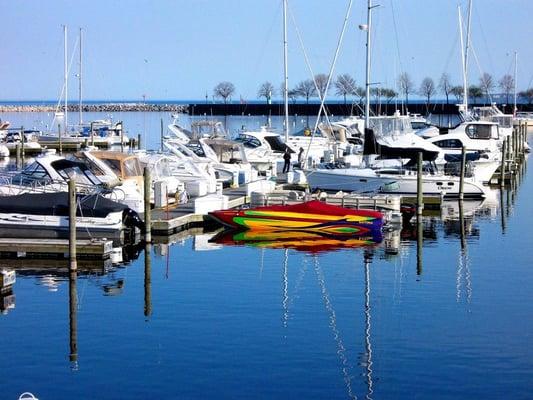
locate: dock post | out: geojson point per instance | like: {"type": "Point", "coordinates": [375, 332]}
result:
{"type": "Point", "coordinates": [86, 143]}
{"type": "Point", "coordinates": [147, 280]}
{"type": "Point", "coordinates": [72, 206]}
{"type": "Point", "coordinates": [419, 190]}
{"type": "Point", "coordinates": [162, 135]}
{"type": "Point", "coordinates": [17, 154]}
{"type": "Point", "coordinates": [22, 139]}
{"type": "Point", "coordinates": [121, 138]}
{"type": "Point", "coordinates": [462, 180]}
{"type": "Point", "coordinates": [92, 133]}
{"type": "Point", "coordinates": [502, 166]}
{"type": "Point", "coordinates": [60, 139]}
{"type": "Point", "coordinates": [138, 141]}
{"type": "Point", "coordinates": [147, 209]}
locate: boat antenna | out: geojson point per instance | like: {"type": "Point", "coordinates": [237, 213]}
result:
{"type": "Point", "coordinates": [285, 72]}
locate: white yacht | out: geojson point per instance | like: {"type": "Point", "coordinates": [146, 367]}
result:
{"type": "Point", "coordinates": [482, 141]}
{"type": "Point", "coordinates": [392, 148]}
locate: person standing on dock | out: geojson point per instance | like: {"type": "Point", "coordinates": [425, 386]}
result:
{"type": "Point", "coordinates": [301, 157]}
{"type": "Point", "coordinates": [287, 158]}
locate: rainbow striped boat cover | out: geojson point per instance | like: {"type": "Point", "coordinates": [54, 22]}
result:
{"type": "Point", "coordinates": [311, 216]}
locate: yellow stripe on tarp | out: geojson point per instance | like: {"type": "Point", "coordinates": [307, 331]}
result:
{"type": "Point", "coordinates": [297, 215]}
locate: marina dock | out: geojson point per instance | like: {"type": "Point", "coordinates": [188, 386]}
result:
{"type": "Point", "coordinates": [54, 248]}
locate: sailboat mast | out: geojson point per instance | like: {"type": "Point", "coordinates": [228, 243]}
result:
{"type": "Point", "coordinates": [285, 68]}
{"type": "Point", "coordinates": [469, 17]}
{"type": "Point", "coordinates": [463, 64]}
{"type": "Point", "coordinates": [80, 77]}
{"type": "Point", "coordinates": [515, 75]}
{"type": "Point", "coordinates": [65, 77]}
{"type": "Point", "coordinates": [367, 95]}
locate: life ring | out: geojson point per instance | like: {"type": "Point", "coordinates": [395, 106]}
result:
{"type": "Point", "coordinates": [307, 132]}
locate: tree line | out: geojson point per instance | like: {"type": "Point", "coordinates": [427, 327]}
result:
{"type": "Point", "coordinates": [345, 86]}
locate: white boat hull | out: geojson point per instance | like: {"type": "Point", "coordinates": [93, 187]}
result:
{"type": "Point", "coordinates": [360, 180]}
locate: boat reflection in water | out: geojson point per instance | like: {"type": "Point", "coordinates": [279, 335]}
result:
{"type": "Point", "coordinates": [301, 240]}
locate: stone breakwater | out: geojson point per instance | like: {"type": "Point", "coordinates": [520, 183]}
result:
{"type": "Point", "coordinates": [108, 107]}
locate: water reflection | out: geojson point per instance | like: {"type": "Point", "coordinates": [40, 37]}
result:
{"type": "Point", "coordinates": [306, 241]}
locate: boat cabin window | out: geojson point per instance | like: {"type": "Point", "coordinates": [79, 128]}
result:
{"type": "Point", "coordinates": [478, 131]}
{"type": "Point", "coordinates": [276, 143]}
{"type": "Point", "coordinates": [248, 141]}
{"type": "Point", "coordinates": [114, 165]}
{"type": "Point", "coordinates": [449, 144]}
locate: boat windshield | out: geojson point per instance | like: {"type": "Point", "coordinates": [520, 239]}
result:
{"type": "Point", "coordinates": [34, 173]}
{"type": "Point", "coordinates": [248, 141]}
{"type": "Point", "coordinates": [276, 143]}
{"type": "Point", "coordinates": [390, 126]}
{"type": "Point", "coordinates": [131, 168]}
{"type": "Point", "coordinates": [196, 149]}
{"type": "Point", "coordinates": [72, 170]}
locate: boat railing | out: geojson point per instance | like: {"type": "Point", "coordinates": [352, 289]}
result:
{"type": "Point", "coordinates": [13, 185]}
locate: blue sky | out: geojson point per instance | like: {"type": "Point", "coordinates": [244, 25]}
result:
{"type": "Point", "coordinates": [181, 49]}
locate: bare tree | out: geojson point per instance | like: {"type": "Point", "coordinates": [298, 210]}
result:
{"type": "Point", "coordinates": [224, 90]}
{"type": "Point", "coordinates": [266, 90]}
{"type": "Point", "coordinates": [389, 94]}
{"type": "Point", "coordinates": [405, 85]}
{"type": "Point", "coordinates": [345, 86]}
{"type": "Point", "coordinates": [486, 84]}
{"type": "Point", "coordinates": [361, 93]}
{"type": "Point", "coordinates": [306, 89]}
{"type": "Point", "coordinates": [507, 85]}
{"type": "Point", "coordinates": [427, 89]}
{"type": "Point", "coordinates": [527, 95]}
{"type": "Point", "coordinates": [321, 81]}
{"type": "Point", "coordinates": [376, 92]}
{"type": "Point", "coordinates": [475, 92]}
{"type": "Point", "coordinates": [457, 91]}
{"type": "Point", "coordinates": [293, 95]}
{"type": "Point", "coordinates": [445, 86]}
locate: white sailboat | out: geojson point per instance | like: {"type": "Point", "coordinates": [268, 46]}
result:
{"type": "Point", "coordinates": [390, 138]}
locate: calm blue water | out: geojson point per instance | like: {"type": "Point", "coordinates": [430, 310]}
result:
{"type": "Point", "coordinates": [241, 322]}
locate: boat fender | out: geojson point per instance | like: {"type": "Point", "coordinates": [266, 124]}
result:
{"type": "Point", "coordinates": [132, 219]}
{"type": "Point", "coordinates": [112, 184]}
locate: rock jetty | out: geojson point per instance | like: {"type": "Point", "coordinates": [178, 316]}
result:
{"type": "Point", "coordinates": [107, 107]}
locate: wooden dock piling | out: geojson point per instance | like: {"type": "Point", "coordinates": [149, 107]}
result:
{"type": "Point", "coordinates": [17, 155]}
{"type": "Point", "coordinates": [72, 205]}
{"type": "Point", "coordinates": [60, 138]}
{"type": "Point", "coordinates": [419, 188]}
{"type": "Point", "coordinates": [462, 179]}
{"type": "Point", "coordinates": [22, 140]}
{"type": "Point", "coordinates": [138, 141]}
{"type": "Point", "coordinates": [147, 209]}
{"type": "Point", "coordinates": [502, 166]}
{"type": "Point", "coordinates": [162, 134]}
